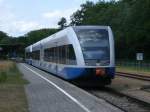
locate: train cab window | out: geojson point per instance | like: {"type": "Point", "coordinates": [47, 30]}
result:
{"type": "Point", "coordinates": [95, 45]}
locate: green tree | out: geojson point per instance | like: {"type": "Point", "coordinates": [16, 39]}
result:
{"type": "Point", "coordinates": [36, 35]}
{"type": "Point", "coordinates": [3, 35]}
{"type": "Point", "coordinates": [62, 23]}
{"type": "Point", "coordinates": [129, 19]}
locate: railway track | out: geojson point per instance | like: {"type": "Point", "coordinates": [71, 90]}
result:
{"type": "Point", "coordinates": [135, 76]}
{"type": "Point", "coordinates": [120, 100]}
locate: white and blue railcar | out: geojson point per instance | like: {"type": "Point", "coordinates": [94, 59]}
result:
{"type": "Point", "coordinates": [76, 52]}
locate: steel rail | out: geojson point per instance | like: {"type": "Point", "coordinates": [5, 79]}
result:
{"type": "Point", "coordinates": [135, 76]}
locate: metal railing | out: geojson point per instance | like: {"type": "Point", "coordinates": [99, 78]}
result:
{"type": "Point", "coordinates": [136, 65]}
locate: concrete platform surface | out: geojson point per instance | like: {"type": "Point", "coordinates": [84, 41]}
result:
{"type": "Point", "coordinates": [47, 93]}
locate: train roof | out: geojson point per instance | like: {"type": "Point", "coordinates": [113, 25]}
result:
{"type": "Point", "coordinates": [90, 26]}
{"type": "Point", "coordinates": [64, 32]}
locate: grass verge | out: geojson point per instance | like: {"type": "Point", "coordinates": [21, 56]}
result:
{"type": "Point", "coordinates": [134, 70]}
{"type": "Point", "coordinates": [12, 94]}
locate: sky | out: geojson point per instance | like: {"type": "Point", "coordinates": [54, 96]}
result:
{"type": "Point", "coordinates": [17, 17]}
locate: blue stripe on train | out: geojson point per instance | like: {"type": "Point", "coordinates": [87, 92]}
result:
{"type": "Point", "coordinates": [72, 73]}
{"type": "Point", "coordinates": [110, 71]}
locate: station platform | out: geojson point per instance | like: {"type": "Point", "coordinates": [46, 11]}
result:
{"type": "Point", "coordinates": [47, 93]}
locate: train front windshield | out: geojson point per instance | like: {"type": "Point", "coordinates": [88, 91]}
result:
{"type": "Point", "coordinates": [95, 46]}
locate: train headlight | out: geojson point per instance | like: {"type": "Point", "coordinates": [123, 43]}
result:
{"type": "Point", "coordinates": [100, 72]}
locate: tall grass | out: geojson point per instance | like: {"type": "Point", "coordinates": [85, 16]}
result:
{"type": "Point", "coordinates": [10, 74]}
{"type": "Point", "coordinates": [4, 69]}
{"type": "Point", "coordinates": [3, 76]}
{"type": "Point", "coordinates": [12, 94]}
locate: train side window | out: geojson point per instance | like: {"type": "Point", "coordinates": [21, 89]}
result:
{"type": "Point", "coordinates": [55, 54]}
{"type": "Point", "coordinates": [48, 54]}
{"type": "Point", "coordinates": [61, 54]}
{"type": "Point", "coordinates": [28, 55]}
{"type": "Point", "coordinates": [36, 55]}
{"type": "Point", "coordinates": [71, 55]}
